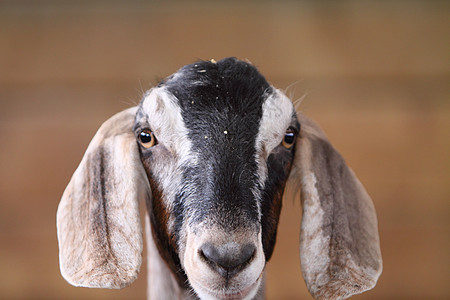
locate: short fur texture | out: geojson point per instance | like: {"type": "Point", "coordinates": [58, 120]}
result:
{"type": "Point", "coordinates": [99, 231]}
{"type": "Point", "coordinates": [227, 143]}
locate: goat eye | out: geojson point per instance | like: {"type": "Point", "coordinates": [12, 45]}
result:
{"type": "Point", "coordinates": [147, 138]}
{"type": "Point", "coordinates": [289, 139]}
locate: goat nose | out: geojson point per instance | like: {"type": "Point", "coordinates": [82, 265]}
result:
{"type": "Point", "coordinates": [227, 259]}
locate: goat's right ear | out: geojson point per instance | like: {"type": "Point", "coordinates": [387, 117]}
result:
{"type": "Point", "coordinates": [99, 230]}
{"type": "Point", "coordinates": [339, 243]}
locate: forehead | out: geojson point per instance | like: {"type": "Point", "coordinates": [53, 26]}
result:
{"type": "Point", "coordinates": [228, 88]}
{"type": "Point", "coordinates": [212, 99]}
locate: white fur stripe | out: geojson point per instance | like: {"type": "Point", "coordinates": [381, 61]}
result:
{"type": "Point", "coordinates": [277, 114]}
{"type": "Point", "coordinates": [165, 120]}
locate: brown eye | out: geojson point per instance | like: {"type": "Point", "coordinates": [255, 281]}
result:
{"type": "Point", "coordinates": [147, 139]}
{"type": "Point", "coordinates": [289, 139]}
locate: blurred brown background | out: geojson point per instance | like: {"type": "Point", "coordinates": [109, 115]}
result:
{"type": "Point", "coordinates": [376, 76]}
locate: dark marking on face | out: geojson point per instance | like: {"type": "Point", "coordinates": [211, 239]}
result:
{"type": "Point", "coordinates": [221, 106]}
{"type": "Point", "coordinates": [279, 165]}
{"type": "Point", "coordinates": [165, 240]}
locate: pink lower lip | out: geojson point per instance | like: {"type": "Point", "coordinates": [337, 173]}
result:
{"type": "Point", "coordinates": [236, 295]}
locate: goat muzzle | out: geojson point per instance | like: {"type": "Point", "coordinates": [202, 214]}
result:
{"type": "Point", "coordinates": [228, 259]}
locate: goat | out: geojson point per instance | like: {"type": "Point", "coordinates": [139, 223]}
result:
{"type": "Point", "coordinates": [210, 149]}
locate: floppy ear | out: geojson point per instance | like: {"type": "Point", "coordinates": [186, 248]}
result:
{"type": "Point", "coordinates": [99, 231]}
{"type": "Point", "coordinates": [339, 244]}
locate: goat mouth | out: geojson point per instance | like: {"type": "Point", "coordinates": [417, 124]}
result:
{"type": "Point", "coordinates": [246, 293]}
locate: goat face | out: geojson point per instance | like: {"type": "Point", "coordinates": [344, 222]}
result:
{"type": "Point", "coordinates": [211, 149]}
{"type": "Point", "coordinates": [224, 145]}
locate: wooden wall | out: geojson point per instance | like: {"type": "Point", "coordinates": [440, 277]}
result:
{"type": "Point", "coordinates": [375, 75]}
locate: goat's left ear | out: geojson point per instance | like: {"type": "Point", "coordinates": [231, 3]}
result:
{"type": "Point", "coordinates": [339, 244]}
{"type": "Point", "coordinates": [99, 230]}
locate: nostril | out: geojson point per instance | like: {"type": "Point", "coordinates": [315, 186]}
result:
{"type": "Point", "coordinates": [209, 253]}
{"type": "Point", "coordinates": [227, 259]}
{"type": "Point", "coordinates": [247, 253]}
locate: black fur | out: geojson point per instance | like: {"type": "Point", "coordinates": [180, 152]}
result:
{"type": "Point", "coordinates": [221, 105]}
{"type": "Point", "coordinates": [279, 165]}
